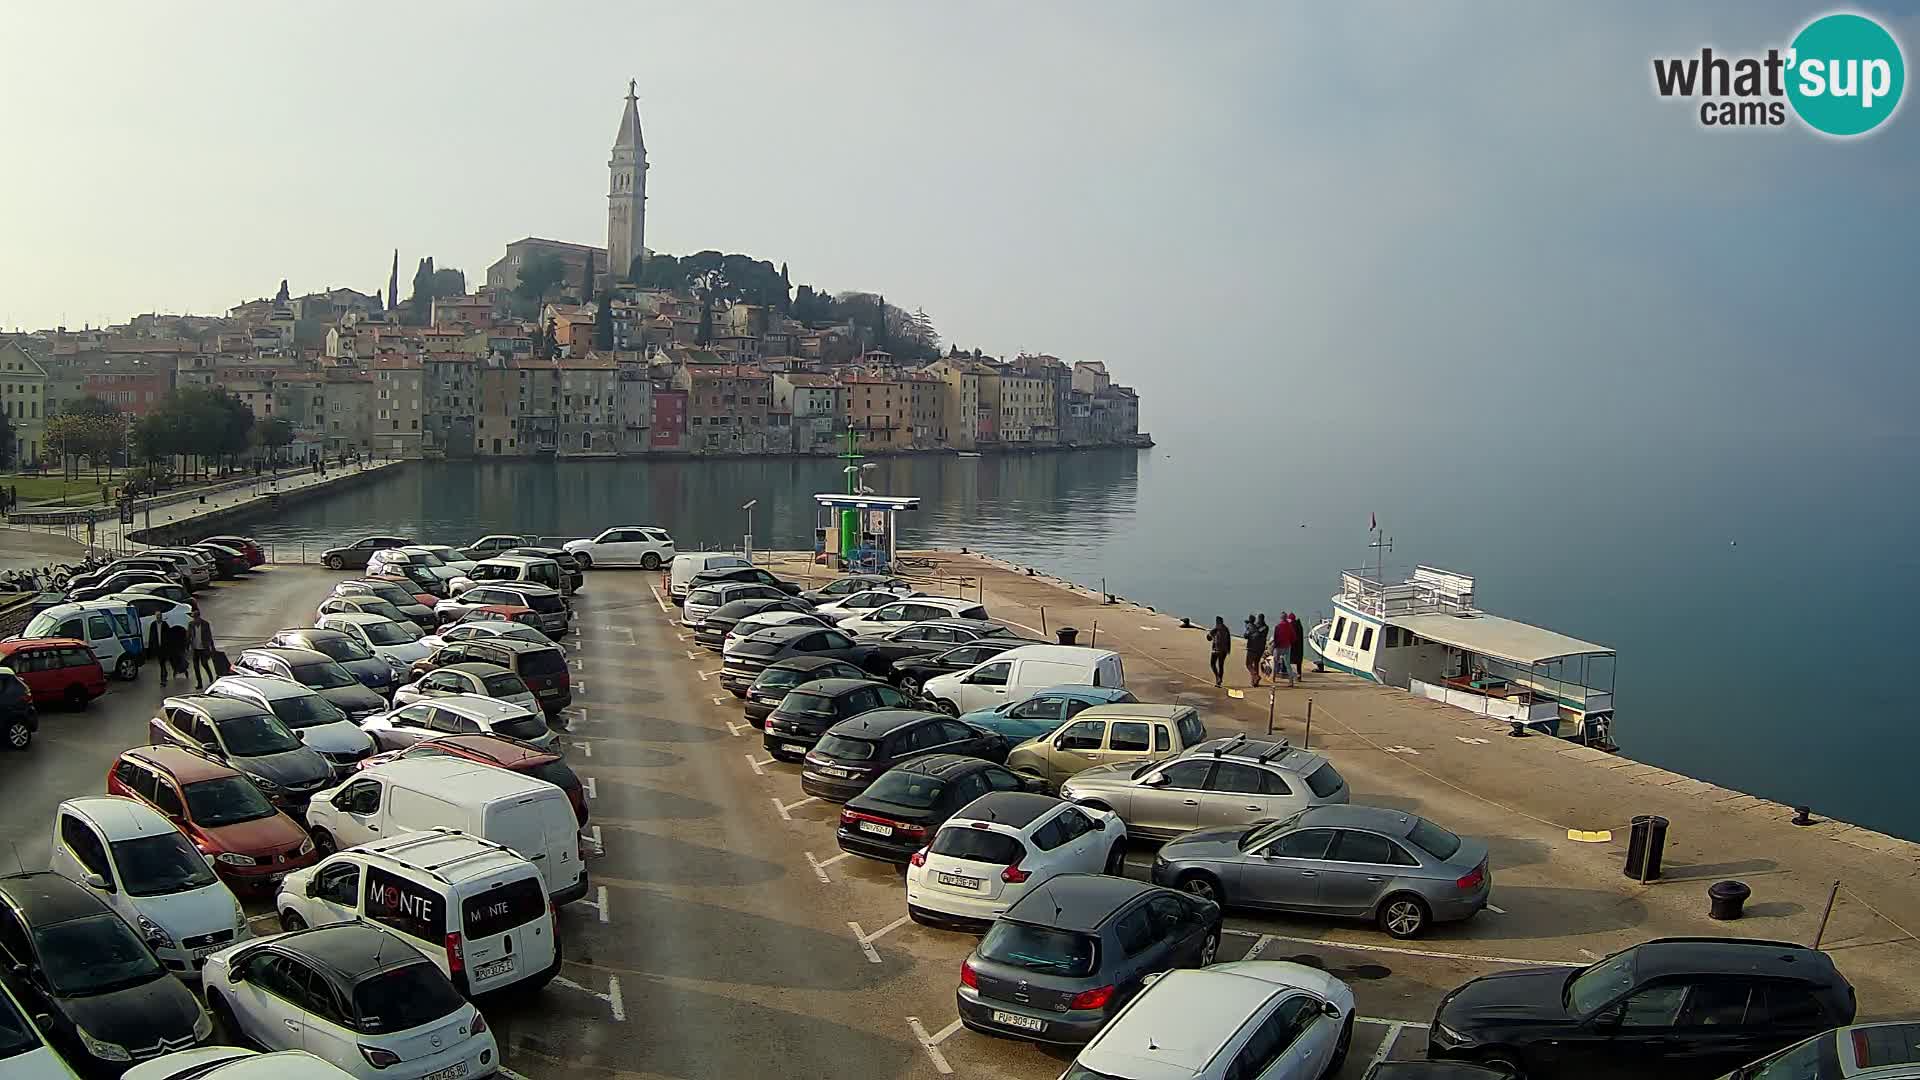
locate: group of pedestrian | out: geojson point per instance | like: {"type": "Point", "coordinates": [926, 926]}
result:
{"type": "Point", "coordinates": [171, 645]}
{"type": "Point", "coordinates": [1285, 641]}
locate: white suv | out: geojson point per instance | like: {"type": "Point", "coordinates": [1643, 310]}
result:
{"type": "Point", "coordinates": [1003, 845]}
{"type": "Point", "coordinates": [628, 545]}
{"type": "Point", "coordinates": [473, 907]}
{"type": "Point", "coordinates": [1256, 1018]}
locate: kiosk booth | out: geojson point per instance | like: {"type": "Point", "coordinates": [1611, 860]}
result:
{"type": "Point", "coordinates": [857, 533]}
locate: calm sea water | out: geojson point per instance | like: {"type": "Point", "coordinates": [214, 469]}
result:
{"type": "Point", "coordinates": [1754, 595]}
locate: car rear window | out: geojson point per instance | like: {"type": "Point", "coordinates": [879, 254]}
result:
{"type": "Point", "coordinates": [1885, 1044]}
{"type": "Point", "coordinates": [974, 612]}
{"type": "Point", "coordinates": [405, 906]}
{"type": "Point", "coordinates": [545, 603]}
{"type": "Point", "coordinates": [504, 684]}
{"type": "Point", "coordinates": [978, 845]}
{"type": "Point", "coordinates": [404, 998]}
{"type": "Point", "coordinates": [839, 746]}
{"type": "Point", "coordinates": [557, 773]}
{"type": "Point", "coordinates": [1431, 838]}
{"type": "Point", "coordinates": [1326, 780]}
{"type": "Point", "coordinates": [807, 703]}
{"type": "Point", "coordinates": [521, 727]}
{"type": "Point", "coordinates": [705, 597]}
{"type": "Point", "coordinates": [1192, 731]}
{"type": "Point", "coordinates": [543, 662]}
{"type": "Point", "coordinates": [777, 678]}
{"type": "Point", "coordinates": [499, 910]}
{"type": "Point", "coordinates": [914, 790]}
{"type": "Point", "coordinates": [1039, 948]}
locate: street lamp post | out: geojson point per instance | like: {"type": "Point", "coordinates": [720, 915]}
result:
{"type": "Point", "coordinates": [749, 509]}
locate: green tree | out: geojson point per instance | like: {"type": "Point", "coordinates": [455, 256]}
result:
{"type": "Point", "coordinates": [540, 274]}
{"type": "Point", "coordinates": [603, 323]}
{"type": "Point", "coordinates": [274, 433]}
{"type": "Point", "coordinates": [659, 272]}
{"type": "Point", "coordinates": [92, 405]}
{"type": "Point", "coordinates": [586, 280]}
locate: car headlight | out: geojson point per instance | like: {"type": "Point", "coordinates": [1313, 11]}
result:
{"type": "Point", "coordinates": [264, 784]}
{"type": "Point", "coordinates": [242, 927]}
{"type": "Point", "coordinates": [203, 1027]}
{"type": "Point", "coordinates": [306, 846]}
{"type": "Point", "coordinates": [155, 934]}
{"type": "Point", "coordinates": [1067, 793]}
{"type": "Point", "coordinates": [102, 1049]}
{"type": "Point", "coordinates": [1452, 1037]}
{"type": "Point", "coordinates": [234, 858]}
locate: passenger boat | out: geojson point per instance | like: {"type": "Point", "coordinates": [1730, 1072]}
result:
{"type": "Point", "coordinates": [1425, 636]}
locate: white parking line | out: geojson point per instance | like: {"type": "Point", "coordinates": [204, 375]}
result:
{"type": "Point", "coordinates": [691, 655]}
{"type": "Point", "coordinates": [598, 903]}
{"type": "Point", "coordinates": [591, 788]}
{"type": "Point", "coordinates": [510, 1074]}
{"type": "Point", "coordinates": [736, 730]}
{"type": "Point", "coordinates": [786, 809]}
{"type": "Point", "coordinates": [1419, 1025]}
{"type": "Point", "coordinates": [866, 940]}
{"type": "Point", "coordinates": [1386, 1046]}
{"type": "Point", "coordinates": [705, 675]}
{"type": "Point", "coordinates": [719, 700]}
{"type": "Point", "coordinates": [599, 845]}
{"type": "Point", "coordinates": [1352, 946]}
{"type": "Point", "coordinates": [1589, 955]}
{"type": "Point", "coordinates": [577, 664]}
{"type": "Point", "coordinates": [820, 866]}
{"type": "Point", "coordinates": [930, 1042]}
{"type": "Point", "coordinates": [1259, 947]}
{"type": "Point", "coordinates": [612, 997]}
{"type": "Point", "coordinates": [1496, 909]}
{"type": "Point", "coordinates": [658, 599]}
{"type": "Point", "coordinates": [759, 767]}
{"type": "Point", "coordinates": [585, 746]}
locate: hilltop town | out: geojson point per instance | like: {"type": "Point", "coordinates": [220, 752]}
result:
{"type": "Point", "coordinates": [567, 350]}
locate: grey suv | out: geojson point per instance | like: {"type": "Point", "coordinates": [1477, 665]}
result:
{"type": "Point", "coordinates": [1234, 781]}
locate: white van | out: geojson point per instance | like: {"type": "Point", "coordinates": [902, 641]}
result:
{"type": "Point", "coordinates": [522, 570]}
{"type": "Point", "coordinates": [530, 816]}
{"type": "Point", "coordinates": [688, 563]}
{"type": "Point", "coordinates": [109, 627]}
{"type": "Point", "coordinates": [471, 906]}
{"type": "Point", "coordinates": [1018, 674]}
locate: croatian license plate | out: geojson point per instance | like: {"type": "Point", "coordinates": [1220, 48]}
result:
{"type": "Point", "coordinates": [1012, 1020]}
{"type": "Point", "coordinates": [794, 747]}
{"type": "Point", "coordinates": [841, 773]}
{"type": "Point", "coordinates": [957, 881]}
{"type": "Point", "coordinates": [550, 693]}
{"type": "Point", "coordinates": [451, 1072]}
{"type": "Point", "coordinates": [490, 970]}
{"type": "Point", "coordinates": [877, 830]}
{"type": "Point", "coordinates": [205, 951]}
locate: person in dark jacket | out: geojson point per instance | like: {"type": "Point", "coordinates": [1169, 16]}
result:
{"type": "Point", "coordinates": [200, 640]}
{"type": "Point", "coordinates": [1221, 641]}
{"type": "Point", "coordinates": [157, 647]}
{"type": "Point", "coordinates": [1299, 647]}
{"type": "Point", "coordinates": [1256, 647]}
{"type": "Point", "coordinates": [177, 649]}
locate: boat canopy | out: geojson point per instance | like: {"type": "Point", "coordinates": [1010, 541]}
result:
{"type": "Point", "coordinates": [1502, 639]}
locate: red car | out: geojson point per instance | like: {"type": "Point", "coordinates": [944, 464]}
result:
{"type": "Point", "coordinates": [252, 845]}
{"type": "Point", "coordinates": [55, 669]}
{"type": "Point", "coordinates": [497, 750]}
{"type": "Point", "coordinates": [501, 612]}
{"type": "Point", "coordinates": [246, 545]}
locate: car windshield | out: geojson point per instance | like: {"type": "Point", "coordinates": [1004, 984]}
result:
{"type": "Point", "coordinates": [807, 703]}
{"type": "Point", "coordinates": [521, 727]}
{"type": "Point", "coordinates": [916, 791]}
{"type": "Point", "coordinates": [307, 710]}
{"type": "Point", "coordinates": [1259, 835]}
{"type": "Point", "coordinates": [341, 647]}
{"type": "Point", "coordinates": [229, 800]}
{"type": "Point", "coordinates": [1433, 839]}
{"type": "Point", "coordinates": [391, 594]}
{"type": "Point", "coordinates": [256, 735]}
{"type": "Point", "coordinates": [978, 845]}
{"type": "Point", "coordinates": [425, 558]}
{"type": "Point", "coordinates": [323, 676]}
{"type": "Point", "coordinates": [159, 865]}
{"type": "Point", "coordinates": [94, 954]}
{"type": "Point", "coordinates": [1601, 983]}
{"type": "Point", "coordinates": [404, 998]}
{"type": "Point", "coordinates": [1038, 948]}
{"type": "Point", "coordinates": [16, 1037]}
{"type": "Point", "coordinates": [391, 633]}
{"type": "Point", "coordinates": [839, 746]}
{"type": "Point", "coordinates": [505, 684]}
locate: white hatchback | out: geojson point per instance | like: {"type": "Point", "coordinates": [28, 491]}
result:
{"type": "Point", "coordinates": [150, 874]}
{"type": "Point", "coordinates": [858, 603]}
{"type": "Point", "coordinates": [1001, 846]}
{"type": "Point", "coordinates": [392, 640]}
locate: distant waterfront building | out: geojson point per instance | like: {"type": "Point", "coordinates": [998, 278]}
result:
{"type": "Point", "coordinates": [23, 395]}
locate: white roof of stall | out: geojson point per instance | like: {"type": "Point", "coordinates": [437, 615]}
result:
{"type": "Point", "coordinates": [1502, 639]}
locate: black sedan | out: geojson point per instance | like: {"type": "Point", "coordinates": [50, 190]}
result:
{"type": "Point", "coordinates": [771, 688]}
{"type": "Point", "coordinates": [354, 556]}
{"type": "Point", "coordinates": [111, 1002]}
{"type": "Point", "coordinates": [939, 635]}
{"type": "Point", "coordinates": [118, 581]}
{"type": "Point", "coordinates": [912, 673]}
{"type": "Point", "coordinates": [747, 656]}
{"type": "Point", "coordinates": [853, 753]}
{"type": "Point", "coordinates": [713, 630]}
{"type": "Point", "coordinates": [747, 575]}
{"type": "Point", "coordinates": [808, 710]}
{"type": "Point", "coordinates": [897, 815]}
{"type": "Point", "coordinates": [1064, 959]}
{"type": "Point", "coordinates": [228, 562]}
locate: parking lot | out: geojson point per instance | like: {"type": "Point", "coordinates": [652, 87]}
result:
{"type": "Point", "coordinates": [725, 934]}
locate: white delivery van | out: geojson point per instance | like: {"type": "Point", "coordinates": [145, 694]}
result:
{"type": "Point", "coordinates": [474, 908]}
{"type": "Point", "coordinates": [1018, 674]}
{"type": "Point", "coordinates": [530, 816]}
{"type": "Point", "coordinates": [688, 563]}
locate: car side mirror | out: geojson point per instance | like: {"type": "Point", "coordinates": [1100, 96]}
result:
{"type": "Point", "coordinates": [313, 888]}
{"type": "Point", "coordinates": [1330, 1009]}
{"type": "Point", "coordinates": [210, 746]}
{"type": "Point", "coordinates": [1156, 780]}
{"type": "Point", "coordinates": [1609, 1019]}
{"type": "Point", "coordinates": [45, 1020]}
{"type": "Point", "coordinates": [96, 881]}
{"type": "Point", "coordinates": [1038, 786]}
{"type": "Point", "coordinates": [300, 733]}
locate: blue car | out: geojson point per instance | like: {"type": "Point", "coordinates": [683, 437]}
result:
{"type": "Point", "coordinates": [1044, 711]}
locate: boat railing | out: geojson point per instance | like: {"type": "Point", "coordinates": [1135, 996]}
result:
{"type": "Point", "coordinates": [1428, 591]}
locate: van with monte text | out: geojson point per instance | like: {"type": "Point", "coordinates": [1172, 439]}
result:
{"type": "Point", "coordinates": [476, 909]}
{"type": "Point", "coordinates": [528, 815]}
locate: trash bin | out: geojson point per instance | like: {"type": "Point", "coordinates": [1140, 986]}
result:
{"type": "Point", "coordinates": [1728, 898]}
{"type": "Point", "coordinates": [1644, 844]}
{"type": "Point", "coordinates": [1067, 634]}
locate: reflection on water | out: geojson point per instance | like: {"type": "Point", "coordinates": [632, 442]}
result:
{"type": "Point", "coordinates": [1027, 503]}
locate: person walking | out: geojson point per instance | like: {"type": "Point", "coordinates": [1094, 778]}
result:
{"type": "Point", "coordinates": [1299, 648]}
{"type": "Point", "coordinates": [157, 646]}
{"type": "Point", "coordinates": [1256, 647]}
{"type": "Point", "coordinates": [200, 640]}
{"type": "Point", "coordinates": [1283, 648]}
{"type": "Point", "coordinates": [1220, 641]}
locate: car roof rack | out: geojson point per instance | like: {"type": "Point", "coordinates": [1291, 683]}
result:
{"type": "Point", "coordinates": [1280, 748]}
{"type": "Point", "coordinates": [1231, 744]}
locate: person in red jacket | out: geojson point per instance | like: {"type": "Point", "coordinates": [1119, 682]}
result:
{"type": "Point", "coordinates": [1283, 638]}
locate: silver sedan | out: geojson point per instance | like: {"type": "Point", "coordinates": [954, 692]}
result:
{"type": "Point", "coordinates": [1398, 870]}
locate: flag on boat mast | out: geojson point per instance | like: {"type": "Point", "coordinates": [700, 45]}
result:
{"type": "Point", "coordinates": [1373, 521]}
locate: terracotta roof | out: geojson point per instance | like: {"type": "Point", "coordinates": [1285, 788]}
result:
{"type": "Point", "coordinates": [800, 378]}
{"type": "Point", "coordinates": [725, 371]}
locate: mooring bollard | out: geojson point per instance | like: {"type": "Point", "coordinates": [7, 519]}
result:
{"type": "Point", "coordinates": [1727, 899]}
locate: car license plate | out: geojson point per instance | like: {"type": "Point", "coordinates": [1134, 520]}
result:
{"type": "Point", "coordinates": [451, 1072]}
{"type": "Point", "coordinates": [841, 773]}
{"type": "Point", "coordinates": [794, 747]}
{"type": "Point", "coordinates": [1012, 1020]}
{"type": "Point", "coordinates": [550, 693]}
{"type": "Point", "coordinates": [958, 881]}
{"type": "Point", "coordinates": [205, 951]}
{"type": "Point", "coordinates": [878, 830]}
{"type": "Point", "coordinates": [497, 967]}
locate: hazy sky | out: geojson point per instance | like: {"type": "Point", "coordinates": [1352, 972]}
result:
{"type": "Point", "coordinates": [1475, 214]}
